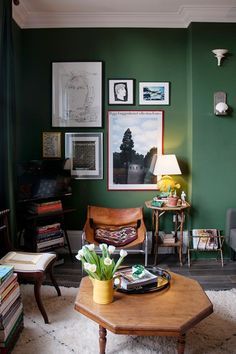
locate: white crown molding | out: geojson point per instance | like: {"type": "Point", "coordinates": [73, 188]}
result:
{"type": "Point", "coordinates": [180, 19]}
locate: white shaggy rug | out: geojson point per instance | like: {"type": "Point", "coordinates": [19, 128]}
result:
{"type": "Point", "coordinates": [71, 332]}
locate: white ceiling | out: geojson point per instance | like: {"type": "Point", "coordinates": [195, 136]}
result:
{"type": "Point", "coordinates": [121, 13]}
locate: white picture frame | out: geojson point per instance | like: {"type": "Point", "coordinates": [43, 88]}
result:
{"type": "Point", "coordinates": [120, 91]}
{"type": "Point", "coordinates": [85, 151]}
{"type": "Point", "coordinates": [145, 128]}
{"type": "Point", "coordinates": [154, 93]}
{"type": "Point", "coordinates": [77, 94]}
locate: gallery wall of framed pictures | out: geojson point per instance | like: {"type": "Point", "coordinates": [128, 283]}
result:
{"type": "Point", "coordinates": [122, 92]}
{"type": "Point", "coordinates": [134, 137]}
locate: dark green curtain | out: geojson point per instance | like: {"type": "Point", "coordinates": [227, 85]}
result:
{"type": "Point", "coordinates": [7, 110]}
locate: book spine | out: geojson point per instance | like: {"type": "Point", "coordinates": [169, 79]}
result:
{"type": "Point", "coordinates": [6, 319]}
{"type": "Point", "coordinates": [52, 242]}
{"type": "Point", "coordinates": [6, 276]}
{"type": "Point", "coordinates": [9, 300]}
{"type": "Point", "coordinates": [4, 333]}
{"type": "Point", "coordinates": [7, 345]}
{"type": "Point", "coordinates": [48, 228]}
{"type": "Point", "coordinates": [48, 208]}
{"type": "Point", "coordinates": [55, 202]}
{"type": "Point", "coordinates": [49, 236]}
{"type": "Point", "coordinates": [7, 290]}
{"type": "Point", "coordinates": [7, 282]}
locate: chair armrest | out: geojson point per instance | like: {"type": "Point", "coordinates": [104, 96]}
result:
{"type": "Point", "coordinates": [230, 222]}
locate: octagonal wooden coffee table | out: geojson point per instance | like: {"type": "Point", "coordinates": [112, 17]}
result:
{"type": "Point", "coordinates": [171, 312]}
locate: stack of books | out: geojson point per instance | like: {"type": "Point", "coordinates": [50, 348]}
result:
{"type": "Point", "coordinates": [47, 207]}
{"type": "Point", "coordinates": [168, 239]}
{"type": "Point", "coordinates": [49, 236]}
{"type": "Point", "coordinates": [11, 309]}
{"type": "Point", "coordinates": [128, 281]}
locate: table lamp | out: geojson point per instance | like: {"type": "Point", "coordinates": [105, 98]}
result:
{"type": "Point", "coordinates": [167, 165]}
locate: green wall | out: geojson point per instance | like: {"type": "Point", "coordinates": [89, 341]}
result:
{"type": "Point", "coordinates": [141, 54]}
{"type": "Point", "coordinates": [204, 144]}
{"type": "Point", "coordinates": [213, 138]}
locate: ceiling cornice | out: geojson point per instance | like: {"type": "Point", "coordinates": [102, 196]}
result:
{"type": "Point", "coordinates": [179, 19]}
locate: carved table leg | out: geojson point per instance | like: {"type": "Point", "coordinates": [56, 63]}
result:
{"type": "Point", "coordinates": [102, 339]}
{"type": "Point", "coordinates": [37, 294]}
{"type": "Point", "coordinates": [181, 343]}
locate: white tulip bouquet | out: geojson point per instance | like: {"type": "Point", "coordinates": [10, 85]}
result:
{"type": "Point", "coordinates": [100, 267]}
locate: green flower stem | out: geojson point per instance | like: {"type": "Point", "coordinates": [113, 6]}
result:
{"type": "Point", "coordinates": [120, 260]}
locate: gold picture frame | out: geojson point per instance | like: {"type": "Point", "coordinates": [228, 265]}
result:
{"type": "Point", "coordinates": [51, 145]}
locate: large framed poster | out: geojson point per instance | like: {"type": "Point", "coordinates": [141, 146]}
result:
{"type": "Point", "coordinates": [77, 94]}
{"type": "Point", "coordinates": [135, 138]}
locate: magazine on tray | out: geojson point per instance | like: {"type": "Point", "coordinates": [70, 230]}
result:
{"type": "Point", "coordinates": [128, 281]}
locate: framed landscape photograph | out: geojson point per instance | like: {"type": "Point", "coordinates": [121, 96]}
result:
{"type": "Point", "coordinates": [154, 93]}
{"type": "Point", "coordinates": [77, 94]}
{"type": "Point", "coordinates": [51, 144]}
{"type": "Point", "coordinates": [121, 91]}
{"type": "Point", "coordinates": [135, 138]}
{"type": "Point", "coordinates": [85, 151]}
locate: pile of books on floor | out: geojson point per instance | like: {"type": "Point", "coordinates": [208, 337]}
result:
{"type": "Point", "coordinates": [168, 238]}
{"type": "Point", "coordinates": [49, 236]}
{"type": "Point", "coordinates": [128, 281]}
{"type": "Point", "coordinates": [11, 309]}
{"type": "Point", "coordinates": [47, 207]}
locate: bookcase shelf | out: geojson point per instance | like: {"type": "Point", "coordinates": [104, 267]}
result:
{"type": "Point", "coordinates": [33, 223]}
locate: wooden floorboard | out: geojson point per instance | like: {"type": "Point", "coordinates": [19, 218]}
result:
{"type": "Point", "coordinates": [209, 273]}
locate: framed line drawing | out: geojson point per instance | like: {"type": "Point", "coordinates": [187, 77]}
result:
{"type": "Point", "coordinates": [51, 144]}
{"type": "Point", "coordinates": [77, 94]}
{"type": "Point", "coordinates": [135, 138]}
{"type": "Point", "coordinates": [154, 93]}
{"type": "Point", "coordinates": [85, 151]}
{"type": "Point", "coordinates": [121, 91]}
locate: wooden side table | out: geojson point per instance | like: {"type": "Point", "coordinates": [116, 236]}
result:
{"type": "Point", "coordinates": [157, 212]}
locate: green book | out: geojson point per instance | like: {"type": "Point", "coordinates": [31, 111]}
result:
{"type": "Point", "coordinates": [5, 272]}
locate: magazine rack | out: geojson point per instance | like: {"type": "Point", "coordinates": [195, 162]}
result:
{"type": "Point", "coordinates": [205, 240]}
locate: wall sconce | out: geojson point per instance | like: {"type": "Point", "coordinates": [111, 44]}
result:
{"type": "Point", "coordinates": [220, 106]}
{"type": "Point", "coordinates": [219, 53]}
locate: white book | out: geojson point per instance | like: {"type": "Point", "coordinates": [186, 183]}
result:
{"type": "Point", "coordinates": [23, 257]}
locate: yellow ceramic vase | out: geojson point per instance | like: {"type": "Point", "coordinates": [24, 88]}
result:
{"type": "Point", "coordinates": [103, 291]}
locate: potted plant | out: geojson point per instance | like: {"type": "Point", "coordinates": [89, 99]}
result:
{"type": "Point", "coordinates": [167, 187]}
{"type": "Point", "coordinates": [101, 270]}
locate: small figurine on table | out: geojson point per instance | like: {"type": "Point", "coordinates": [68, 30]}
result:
{"type": "Point", "coordinates": [183, 196]}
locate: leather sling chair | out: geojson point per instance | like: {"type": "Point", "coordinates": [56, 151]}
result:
{"type": "Point", "coordinates": [123, 228]}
